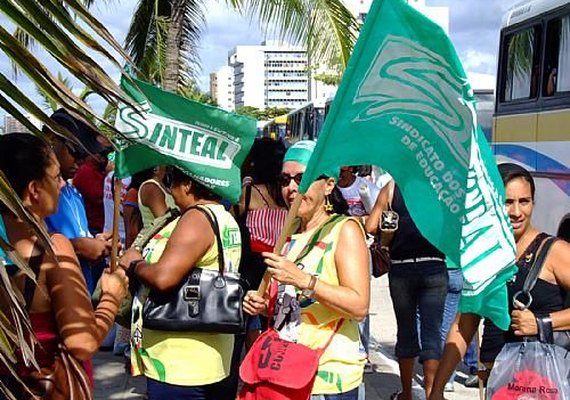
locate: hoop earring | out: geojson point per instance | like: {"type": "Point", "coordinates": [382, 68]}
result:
{"type": "Point", "coordinates": [328, 205]}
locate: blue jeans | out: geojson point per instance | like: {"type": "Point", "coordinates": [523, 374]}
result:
{"type": "Point", "coordinates": [351, 395]}
{"type": "Point", "coordinates": [422, 288]}
{"type": "Point", "coordinates": [454, 288]}
{"type": "Point", "coordinates": [159, 391]}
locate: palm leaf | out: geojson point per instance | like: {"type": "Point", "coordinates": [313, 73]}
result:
{"type": "Point", "coordinates": [326, 27]}
{"type": "Point", "coordinates": [59, 44]}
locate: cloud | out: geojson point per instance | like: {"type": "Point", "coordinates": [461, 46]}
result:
{"type": "Point", "coordinates": [474, 60]}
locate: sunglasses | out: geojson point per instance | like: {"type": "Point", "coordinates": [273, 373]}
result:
{"type": "Point", "coordinates": [285, 180]}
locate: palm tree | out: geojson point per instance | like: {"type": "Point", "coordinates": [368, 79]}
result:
{"type": "Point", "coordinates": [163, 35]}
{"type": "Point", "coordinates": [57, 27]}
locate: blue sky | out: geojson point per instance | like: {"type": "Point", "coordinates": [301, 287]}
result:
{"type": "Point", "coordinates": [474, 29]}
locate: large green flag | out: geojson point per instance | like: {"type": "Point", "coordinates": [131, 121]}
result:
{"type": "Point", "coordinates": [404, 104]}
{"type": "Point", "coordinates": [206, 142]}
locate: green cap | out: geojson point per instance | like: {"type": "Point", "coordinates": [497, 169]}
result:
{"type": "Point", "coordinates": [301, 152]}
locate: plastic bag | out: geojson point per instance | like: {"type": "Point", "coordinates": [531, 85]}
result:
{"type": "Point", "coordinates": [529, 371]}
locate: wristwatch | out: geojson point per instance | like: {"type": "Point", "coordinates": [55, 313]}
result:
{"type": "Point", "coordinates": [309, 292]}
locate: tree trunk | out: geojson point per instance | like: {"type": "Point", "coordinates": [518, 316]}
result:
{"type": "Point", "coordinates": [173, 42]}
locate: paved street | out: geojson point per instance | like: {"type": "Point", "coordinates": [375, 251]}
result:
{"type": "Point", "coordinates": [113, 384]}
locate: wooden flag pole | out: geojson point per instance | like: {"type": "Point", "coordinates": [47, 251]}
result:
{"type": "Point", "coordinates": [116, 214]}
{"type": "Point", "coordinates": [285, 232]}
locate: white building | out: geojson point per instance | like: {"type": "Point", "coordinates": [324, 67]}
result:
{"type": "Point", "coordinates": [270, 75]}
{"type": "Point", "coordinates": [12, 125]}
{"type": "Point", "coordinates": [276, 75]}
{"type": "Point", "coordinates": [222, 87]}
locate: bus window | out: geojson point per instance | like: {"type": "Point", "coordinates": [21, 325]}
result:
{"type": "Point", "coordinates": [522, 65]}
{"type": "Point", "coordinates": [557, 57]}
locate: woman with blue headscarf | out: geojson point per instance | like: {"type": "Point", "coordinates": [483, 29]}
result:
{"type": "Point", "coordinates": [321, 281]}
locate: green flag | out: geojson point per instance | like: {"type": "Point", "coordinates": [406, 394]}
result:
{"type": "Point", "coordinates": [404, 104]}
{"type": "Point", "coordinates": [208, 143]}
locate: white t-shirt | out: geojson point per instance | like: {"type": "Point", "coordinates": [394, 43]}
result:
{"type": "Point", "coordinates": [356, 202]}
{"type": "Point", "coordinates": [108, 204]}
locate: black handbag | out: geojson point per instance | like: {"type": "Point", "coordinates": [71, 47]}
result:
{"type": "Point", "coordinates": [546, 334]}
{"type": "Point", "coordinates": [206, 301]}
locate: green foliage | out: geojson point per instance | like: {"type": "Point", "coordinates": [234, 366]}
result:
{"type": "Point", "coordinates": [328, 79]}
{"type": "Point", "coordinates": [192, 91]}
{"type": "Point", "coordinates": [262, 115]}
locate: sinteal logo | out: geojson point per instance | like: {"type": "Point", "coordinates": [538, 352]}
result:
{"type": "Point", "coordinates": [231, 237]}
{"type": "Point", "coordinates": [407, 79]}
{"type": "Point", "coordinates": [181, 140]}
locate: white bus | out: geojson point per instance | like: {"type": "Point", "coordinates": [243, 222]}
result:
{"type": "Point", "coordinates": [531, 124]}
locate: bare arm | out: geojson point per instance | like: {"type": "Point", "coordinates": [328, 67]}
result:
{"type": "Point", "coordinates": [132, 224]}
{"type": "Point", "coordinates": [380, 205]}
{"type": "Point", "coordinates": [81, 328]}
{"type": "Point", "coordinates": [189, 241]}
{"type": "Point", "coordinates": [153, 197]}
{"type": "Point", "coordinates": [352, 297]}
{"type": "Point", "coordinates": [91, 249]}
{"type": "Point", "coordinates": [556, 270]}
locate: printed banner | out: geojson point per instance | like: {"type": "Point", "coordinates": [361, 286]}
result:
{"type": "Point", "coordinates": [404, 104]}
{"type": "Point", "coordinates": [208, 143]}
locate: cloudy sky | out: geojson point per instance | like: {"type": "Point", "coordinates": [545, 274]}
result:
{"type": "Point", "coordinates": [474, 28]}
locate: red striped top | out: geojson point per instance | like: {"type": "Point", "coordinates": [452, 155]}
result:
{"type": "Point", "coordinates": [264, 226]}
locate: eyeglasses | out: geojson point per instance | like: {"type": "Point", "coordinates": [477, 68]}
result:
{"type": "Point", "coordinates": [285, 179]}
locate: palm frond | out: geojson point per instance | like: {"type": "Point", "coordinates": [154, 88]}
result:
{"type": "Point", "coordinates": [326, 27]}
{"type": "Point", "coordinates": [148, 36]}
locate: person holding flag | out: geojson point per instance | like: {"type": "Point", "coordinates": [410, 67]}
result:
{"type": "Point", "coordinates": [405, 104]}
{"type": "Point", "coordinates": [322, 278]}
{"type": "Point", "coordinates": [205, 146]}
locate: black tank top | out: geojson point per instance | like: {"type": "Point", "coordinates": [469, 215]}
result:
{"type": "Point", "coordinates": [408, 242]}
{"type": "Point", "coordinates": [547, 297]}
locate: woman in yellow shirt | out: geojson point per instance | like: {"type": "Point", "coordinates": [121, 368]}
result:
{"type": "Point", "coordinates": [182, 365]}
{"type": "Point", "coordinates": [323, 278]}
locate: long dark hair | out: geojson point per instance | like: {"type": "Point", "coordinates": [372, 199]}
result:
{"type": "Point", "coordinates": [266, 158]}
{"type": "Point", "coordinates": [340, 206]}
{"type": "Point", "coordinates": [510, 171]}
{"type": "Point", "coordinates": [138, 178]}
{"type": "Point", "coordinates": [23, 158]}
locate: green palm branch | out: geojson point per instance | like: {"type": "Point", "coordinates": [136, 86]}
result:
{"type": "Point", "coordinates": [70, 34]}
{"type": "Point", "coordinates": [164, 34]}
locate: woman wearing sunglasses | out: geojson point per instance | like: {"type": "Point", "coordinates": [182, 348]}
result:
{"type": "Point", "coordinates": [321, 282]}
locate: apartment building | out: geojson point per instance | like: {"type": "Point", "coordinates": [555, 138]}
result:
{"type": "Point", "coordinates": [222, 87]}
{"type": "Point", "coordinates": [272, 74]}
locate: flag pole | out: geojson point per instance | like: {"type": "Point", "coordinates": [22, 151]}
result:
{"type": "Point", "coordinates": [116, 214]}
{"type": "Point", "coordinates": [285, 232]}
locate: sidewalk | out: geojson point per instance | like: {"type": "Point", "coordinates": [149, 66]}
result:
{"type": "Point", "coordinates": [111, 382]}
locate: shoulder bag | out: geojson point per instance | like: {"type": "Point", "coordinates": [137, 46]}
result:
{"type": "Point", "coordinates": [380, 247]}
{"type": "Point", "coordinates": [278, 369]}
{"type": "Point", "coordinates": [205, 301]}
{"type": "Point", "coordinates": [545, 332]}
{"type": "Point", "coordinates": [66, 379]}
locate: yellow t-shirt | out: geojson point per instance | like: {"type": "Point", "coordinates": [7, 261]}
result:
{"type": "Point", "coordinates": [341, 365]}
{"type": "Point", "coordinates": [185, 358]}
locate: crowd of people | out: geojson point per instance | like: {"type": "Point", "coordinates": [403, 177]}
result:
{"type": "Point", "coordinates": [318, 290]}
